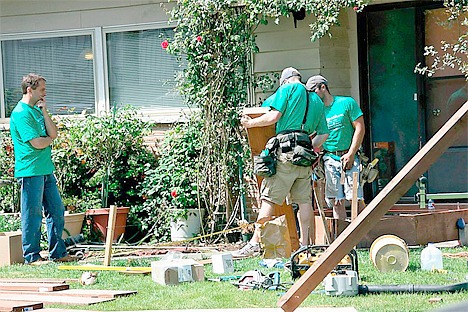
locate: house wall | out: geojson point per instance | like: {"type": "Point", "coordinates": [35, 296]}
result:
{"type": "Point", "coordinates": [282, 45]}
{"type": "Point", "coordinates": [17, 16]}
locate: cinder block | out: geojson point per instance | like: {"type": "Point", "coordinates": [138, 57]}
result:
{"type": "Point", "coordinates": [11, 248]}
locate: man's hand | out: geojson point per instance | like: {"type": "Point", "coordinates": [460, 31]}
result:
{"type": "Point", "coordinates": [347, 161]}
{"type": "Point", "coordinates": [245, 121]}
{"type": "Point", "coordinates": [42, 104]}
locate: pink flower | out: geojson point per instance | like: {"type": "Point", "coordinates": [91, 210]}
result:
{"type": "Point", "coordinates": [164, 44]}
{"type": "Point", "coordinates": [356, 8]}
{"type": "Point", "coordinates": [199, 38]}
{"type": "Point", "coordinates": [174, 193]}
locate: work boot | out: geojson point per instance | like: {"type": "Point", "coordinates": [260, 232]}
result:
{"type": "Point", "coordinates": [247, 251]}
{"type": "Point", "coordinates": [39, 261]}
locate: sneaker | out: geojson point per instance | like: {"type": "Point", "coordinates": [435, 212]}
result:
{"type": "Point", "coordinates": [67, 258]}
{"type": "Point", "coordinates": [40, 261]}
{"type": "Point", "coordinates": [247, 251]}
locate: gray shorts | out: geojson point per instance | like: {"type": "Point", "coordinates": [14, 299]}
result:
{"type": "Point", "coordinates": [333, 187]}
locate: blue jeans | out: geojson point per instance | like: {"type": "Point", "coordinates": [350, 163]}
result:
{"type": "Point", "coordinates": [38, 193]}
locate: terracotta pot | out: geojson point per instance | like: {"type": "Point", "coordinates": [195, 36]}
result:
{"type": "Point", "coordinates": [101, 218]}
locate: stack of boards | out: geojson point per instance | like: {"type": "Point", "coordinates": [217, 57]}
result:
{"type": "Point", "coordinates": [17, 295]}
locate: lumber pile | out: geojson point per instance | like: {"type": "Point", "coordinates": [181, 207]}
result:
{"type": "Point", "coordinates": [33, 294]}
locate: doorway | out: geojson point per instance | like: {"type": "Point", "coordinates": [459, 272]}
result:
{"type": "Point", "coordinates": [403, 110]}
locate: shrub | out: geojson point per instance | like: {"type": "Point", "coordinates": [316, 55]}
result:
{"type": "Point", "coordinates": [172, 184]}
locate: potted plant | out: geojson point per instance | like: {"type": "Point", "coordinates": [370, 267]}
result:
{"type": "Point", "coordinates": [173, 200]}
{"type": "Point", "coordinates": [88, 156]}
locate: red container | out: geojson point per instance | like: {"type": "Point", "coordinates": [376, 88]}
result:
{"type": "Point", "coordinates": [101, 218]}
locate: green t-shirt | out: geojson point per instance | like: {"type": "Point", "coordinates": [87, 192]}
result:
{"type": "Point", "coordinates": [340, 116]}
{"type": "Point", "coordinates": [27, 123]}
{"type": "Point", "coordinates": [290, 99]}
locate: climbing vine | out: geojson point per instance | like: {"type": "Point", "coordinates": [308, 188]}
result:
{"type": "Point", "coordinates": [215, 40]}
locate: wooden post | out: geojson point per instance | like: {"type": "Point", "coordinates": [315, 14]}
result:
{"type": "Point", "coordinates": [322, 214]}
{"type": "Point", "coordinates": [392, 192]}
{"type": "Point", "coordinates": [354, 201]}
{"type": "Point", "coordinates": [110, 234]}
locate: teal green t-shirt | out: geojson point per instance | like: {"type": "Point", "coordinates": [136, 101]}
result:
{"type": "Point", "coordinates": [27, 123]}
{"type": "Point", "coordinates": [316, 115]}
{"type": "Point", "coordinates": [340, 116]}
{"type": "Point", "coordinates": [290, 99]}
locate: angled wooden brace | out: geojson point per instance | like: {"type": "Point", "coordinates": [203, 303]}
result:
{"type": "Point", "coordinates": [395, 189]}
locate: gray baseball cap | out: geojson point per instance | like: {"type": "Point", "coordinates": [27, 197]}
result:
{"type": "Point", "coordinates": [288, 73]}
{"type": "Point", "coordinates": [314, 81]}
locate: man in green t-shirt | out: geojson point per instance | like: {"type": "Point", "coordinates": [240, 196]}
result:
{"type": "Point", "coordinates": [346, 124]}
{"type": "Point", "coordinates": [32, 131]}
{"type": "Point", "coordinates": [287, 110]}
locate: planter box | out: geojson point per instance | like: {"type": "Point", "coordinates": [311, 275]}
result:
{"type": "Point", "coordinates": [73, 224]}
{"type": "Point", "coordinates": [101, 219]}
{"type": "Point", "coordinates": [11, 248]}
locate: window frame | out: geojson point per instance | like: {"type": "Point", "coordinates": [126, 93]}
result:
{"type": "Point", "coordinates": [100, 67]}
{"type": "Point", "coordinates": [46, 35]}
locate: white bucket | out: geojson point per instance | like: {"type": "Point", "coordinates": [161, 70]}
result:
{"type": "Point", "coordinates": [182, 229]}
{"type": "Point", "coordinates": [389, 253]}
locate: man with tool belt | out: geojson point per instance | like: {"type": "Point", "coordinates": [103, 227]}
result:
{"type": "Point", "coordinates": [289, 110]}
{"type": "Point", "coordinates": [346, 125]}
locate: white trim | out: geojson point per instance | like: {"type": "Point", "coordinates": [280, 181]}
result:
{"type": "Point", "coordinates": [100, 67]}
{"type": "Point", "coordinates": [2, 92]}
{"type": "Point", "coordinates": [135, 27]}
{"type": "Point", "coordinates": [46, 34]}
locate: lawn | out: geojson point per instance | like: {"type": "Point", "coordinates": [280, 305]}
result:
{"type": "Point", "coordinates": [218, 295]}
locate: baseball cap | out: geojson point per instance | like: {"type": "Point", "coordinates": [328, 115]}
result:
{"type": "Point", "coordinates": [288, 73]}
{"type": "Point", "coordinates": [314, 81]}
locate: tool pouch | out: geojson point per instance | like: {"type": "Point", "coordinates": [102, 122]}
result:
{"type": "Point", "coordinates": [265, 163]}
{"type": "Point", "coordinates": [303, 153]}
{"type": "Point", "coordinates": [303, 156]}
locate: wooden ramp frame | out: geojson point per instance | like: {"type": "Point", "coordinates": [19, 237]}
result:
{"type": "Point", "coordinates": [395, 189]}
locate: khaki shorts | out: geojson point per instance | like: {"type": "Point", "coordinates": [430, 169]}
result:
{"type": "Point", "coordinates": [289, 179]}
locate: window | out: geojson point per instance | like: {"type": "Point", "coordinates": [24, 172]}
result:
{"type": "Point", "coordinates": [141, 73]}
{"type": "Point", "coordinates": [66, 63]}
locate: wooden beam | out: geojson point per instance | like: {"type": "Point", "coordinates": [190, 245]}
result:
{"type": "Point", "coordinates": [392, 192]}
{"type": "Point", "coordinates": [355, 201]}
{"type": "Point", "coordinates": [38, 287]}
{"type": "Point", "coordinates": [110, 234]}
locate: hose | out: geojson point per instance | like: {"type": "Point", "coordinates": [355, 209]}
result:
{"type": "Point", "coordinates": [365, 289]}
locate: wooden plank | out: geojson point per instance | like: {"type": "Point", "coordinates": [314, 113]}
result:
{"type": "Point", "coordinates": [90, 293]}
{"type": "Point", "coordinates": [418, 229]}
{"type": "Point", "coordinates": [19, 306]}
{"type": "Point", "coordinates": [392, 192]}
{"type": "Point", "coordinates": [38, 280]}
{"type": "Point", "coordinates": [258, 137]}
{"type": "Point", "coordinates": [71, 300]}
{"type": "Point", "coordinates": [110, 234]}
{"type": "Point", "coordinates": [354, 201]}
{"type": "Point", "coordinates": [38, 287]}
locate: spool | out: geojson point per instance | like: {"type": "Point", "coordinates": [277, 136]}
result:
{"type": "Point", "coordinates": [389, 253]}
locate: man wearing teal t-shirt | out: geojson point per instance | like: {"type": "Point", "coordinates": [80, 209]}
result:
{"type": "Point", "coordinates": [346, 125]}
{"type": "Point", "coordinates": [287, 110]}
{"type": "Point", "coordinates": [33, 131]}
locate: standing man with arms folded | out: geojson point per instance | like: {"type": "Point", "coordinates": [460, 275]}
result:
{"type": "Point", "coordinates": [287, 110]}
{"type": "Point", "coordinates": [346, 124]}
{"type": "Point", "coordinates": [33, 131]}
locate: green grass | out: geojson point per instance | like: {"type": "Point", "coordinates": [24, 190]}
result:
{"type": "Point", "coordinates": [217, 295]}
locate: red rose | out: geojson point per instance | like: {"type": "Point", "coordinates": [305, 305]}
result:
{"type": "Point", "coordinates": [174, 193]}
{"type": "Point", "coordinates": [199, 38]}
{"type": "Point", "coordinates": [164, 44]}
